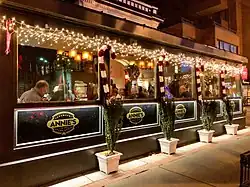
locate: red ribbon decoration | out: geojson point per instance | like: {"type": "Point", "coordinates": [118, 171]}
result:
{"type": "Point", "coordinates": [9, 33]}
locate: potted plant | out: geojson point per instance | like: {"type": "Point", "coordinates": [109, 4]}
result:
{"type": "Point", "coordinates": [208, 116]}
{"type": "Point", "coordinates": [113, 118]}
{"type": "Point", "coordinates": [168, 144]}
{"type": "Point", "coordinates": [228, 109]}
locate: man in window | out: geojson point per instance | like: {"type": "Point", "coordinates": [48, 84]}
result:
{"type": "Point", "coordinates": [184, 92]}
{"type": "Point", "coordinates": [36, 94]}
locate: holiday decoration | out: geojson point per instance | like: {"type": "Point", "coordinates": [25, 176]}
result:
{"type": "Point", "coordinates": [105, 49]}
{"type": "Point", "coordinates": [9, 25]}
{"type": "Point", "coordinates": [133, 71]}
{"type": "Point", "coordinates": [198, 82]}
{"type": "Point", "coordinates": [64, 62]}
{"type": "Point", "coordinates": [160, 67]}
{"type": "Point", "coordinates": [223, 86]}
{"type": "Point", "coordinates": [35, 35]}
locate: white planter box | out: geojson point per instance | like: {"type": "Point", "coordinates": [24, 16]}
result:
{"type": "Point", "coordinates": [108, 164]}
{"type": "Point", "coordinates": [167, 146]}
{"type": "Point", "coordinates": [206, 136]}
{"type": "Point", "coordinates": [232, 129]}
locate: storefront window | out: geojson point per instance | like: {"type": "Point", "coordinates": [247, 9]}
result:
{"type": "Point", "coordinates": [72, 75]}
{"type": "Point", "coordinates": [132, 78]}
{"type": "Point", "coordinates": [210, 84]}
{"type": "Point", "coordinates": [179, 81]}
{"type": "Point", "coordinates": [233, 86]}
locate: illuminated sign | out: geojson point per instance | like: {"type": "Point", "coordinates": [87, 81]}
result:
{"type": "Point", "coordinates": [180, 111]}
{"type": "Point", "coordinates": [135, 115]}
{"type": "Point", "coordinates": [63, 123]}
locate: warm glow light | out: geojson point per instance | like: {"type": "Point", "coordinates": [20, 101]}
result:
{"type": "Point", "coordinates": [150, 65]}
{"type": "Point", "coordinates": [78, 58]}
{"type": "Point", "coordinates": [72, 53]}
{"type": "Point", "coordinates": [126, 77]}
{"type": "Point", "coordinates": [85, 55]}
{"type": "Point", "coordinates": [141, 64]}
{"type": "Point", "coordinates": [60, 52]}
{"type": "Point", "coordinates": [131, 63]}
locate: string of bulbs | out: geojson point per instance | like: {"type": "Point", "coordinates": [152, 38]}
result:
{"type": "Point", "coordinates": [69, 39]}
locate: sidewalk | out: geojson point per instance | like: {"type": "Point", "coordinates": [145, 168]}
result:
{"type": "Point", "coordinates": [195, 165]}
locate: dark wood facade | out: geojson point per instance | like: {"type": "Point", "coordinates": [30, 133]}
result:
{"type": "Point", "coordinates": [41, 164]}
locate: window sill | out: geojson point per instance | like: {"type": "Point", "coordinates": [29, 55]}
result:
{"type": "Point", "coordinates": [56, 104]}
{"type": "Point", "coordinates": [184, 99]}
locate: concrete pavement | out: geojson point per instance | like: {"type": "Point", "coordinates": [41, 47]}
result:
{"type": "Point", "coordinates": [216, 165]}
{"type": "Point", "coordinates": [194, 165]}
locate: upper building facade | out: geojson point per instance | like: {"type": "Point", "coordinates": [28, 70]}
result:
{"type": "Point", "coordinates": [131, 10]}
{"type": "Point", "coordinates": [216, 23]}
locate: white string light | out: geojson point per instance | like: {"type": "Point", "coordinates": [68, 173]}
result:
{"type": "Point", "coordinates": [74, 40]}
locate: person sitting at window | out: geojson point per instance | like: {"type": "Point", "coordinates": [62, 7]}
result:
{"type": "Point", "coordinates": [36, 94]}
{"type": "Point", "coordinates": [184, 93]}
{"type": "Point", "coordinates": [141, 93]}
{"type": "Point", "coordinates": [58, 93]}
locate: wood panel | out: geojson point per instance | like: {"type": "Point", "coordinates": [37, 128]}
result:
{"type": "Point", "coordinates": [7, 92]}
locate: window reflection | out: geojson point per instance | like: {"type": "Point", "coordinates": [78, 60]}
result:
{"type": "Point", "coordinates": [132, 78]}
{"type": "Point", "coordinates": [179, 81]}
{"type": "Point", "coordinates": [72, 75]}
{"type": "Point", "coordinates": [233, 85]}
{"type": "Point", "coordinates": [210, 83]}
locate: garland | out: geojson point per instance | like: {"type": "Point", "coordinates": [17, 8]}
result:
{"type": "Point", "coordinates": [9, 25]}
{"type": "Point", "coordinates": [199, 70]}
{"type": "Point", "coordinates": [160, 73]}
{"type": "Point", "coordinates": [63, 61]}
{"type": "Point", "coordinates": [223, 84]}
{"type": "Point", "coordinates": [104, 50]}
{"type": "Point", "coordinates": [38, 34]}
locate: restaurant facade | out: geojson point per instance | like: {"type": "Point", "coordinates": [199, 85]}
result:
{"type": "Point", "coordinates": [62, 43]}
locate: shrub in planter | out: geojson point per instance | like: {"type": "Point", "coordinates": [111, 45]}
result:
{"type": "Point", "coordinates": [168, 144]}
{"type": "Point", "coordinates": [113, 118]}
{"type": "Point", "coordinates": [208, 116]}
{"type": "Point", "coordinates": [228, 109]}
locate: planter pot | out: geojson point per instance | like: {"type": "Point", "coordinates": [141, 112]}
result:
{"type": "Point", "coordinates": [167, 146]}
{"type": "Point", "coordinates": [232, 129]}
{"type": "Point", "coordinates": [108, 164]}
{"type": "Point", "coordinates": [206, 136]}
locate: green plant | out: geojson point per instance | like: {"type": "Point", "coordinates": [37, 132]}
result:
{"type": "Point", "coordinates": [113, 118]}
{"type": "Point", "coordinates": [208, 114]}
{"type": "Point", "coordinates": [228, 109]}
{"type": "Point", "coordinates": [167, 117]}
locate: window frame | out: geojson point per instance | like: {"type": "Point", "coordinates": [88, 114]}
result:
{"type": "Point", "coordinates": [54, 103]}
{"type": "Point", "coordinates": [221, 45]}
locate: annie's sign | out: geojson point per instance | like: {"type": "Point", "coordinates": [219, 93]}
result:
{"type": "Point", "coordinates": [63, 123]}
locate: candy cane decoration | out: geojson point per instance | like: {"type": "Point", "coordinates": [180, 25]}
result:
{"type": "Point", "coordinates": [103, 71]}
{"type": "Point", "coordinates": [161, 76]}
{"type": "Point", "coordinates": [199, 71]}
{"type": "Point", "coordinates": [223, 85]}
{"type": "Point", "coordinates": [9, 32]}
